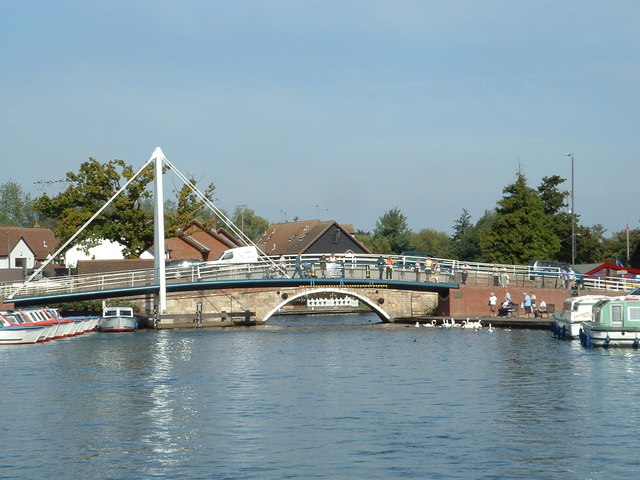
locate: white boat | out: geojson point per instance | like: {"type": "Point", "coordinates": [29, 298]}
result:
{"type": "Point", "coordinates": [13, 332]}
{"type": "Point", "coordinates": [567, 324]}
{"type": "Point", "coordinates": [117, 319]}
{"type": "Point", "coordinates": [615, 323]}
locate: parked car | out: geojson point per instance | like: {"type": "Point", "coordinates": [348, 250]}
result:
{"type": "Point", "coordinates": [547, 268]}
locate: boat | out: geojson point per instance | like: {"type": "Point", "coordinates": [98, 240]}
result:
{"type": "Point", "coordinates": [567, 324]}
{"type": "Point", "coordinates": [117, 319]}
{"type": "Point", "coordinates": [14, 331]}
{"type": "Point", "coordinates": [615, 323]}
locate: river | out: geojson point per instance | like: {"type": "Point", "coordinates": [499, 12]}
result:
{"type": "Point", "coordinates": [318, 398]}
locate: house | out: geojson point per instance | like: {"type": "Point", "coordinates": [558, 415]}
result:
{"type": "Point", "coordinates": [105, 250]}
{"type": "Point", "coordinates": [310, 237]}
{"type": "Point", "coordinates": [197, 242]}
{"type": "Point", "coordinates": [24, 249]}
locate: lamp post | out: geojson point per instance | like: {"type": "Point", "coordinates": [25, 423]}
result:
{"type": "Point", "coordinates": [573, 216]}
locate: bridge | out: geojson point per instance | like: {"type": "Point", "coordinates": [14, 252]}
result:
{"type": "Point", "coordinates": [210, 291]}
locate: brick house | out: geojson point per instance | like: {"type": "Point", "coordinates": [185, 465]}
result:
{"type": "Point", "coordinates": [309, 236]}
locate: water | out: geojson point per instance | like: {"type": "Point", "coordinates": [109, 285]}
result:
{"type": "Point", "coordinates": [332, 402]}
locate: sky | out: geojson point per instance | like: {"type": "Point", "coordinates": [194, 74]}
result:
{"type": "Point", "coordinates": [338, 110]}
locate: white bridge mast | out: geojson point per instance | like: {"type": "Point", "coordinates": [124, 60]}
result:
{"type": "Point", "coordinates": [158, 232]}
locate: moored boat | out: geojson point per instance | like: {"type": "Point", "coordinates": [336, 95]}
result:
{"type": "Point", "coordinates": [117, 319]}
{"type": "Point", "coordinates": [15, 331]}
{"type": "Point", "coordinates": [615, 323]}
{"type": "Point", "coordinates": [567, 324]}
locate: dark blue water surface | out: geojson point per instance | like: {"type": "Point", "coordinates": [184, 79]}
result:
{"type": "Point", "coordinates": [331, 402]}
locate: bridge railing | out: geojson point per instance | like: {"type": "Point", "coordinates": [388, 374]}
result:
{"type": "Point", "coordinates": [352, 266]}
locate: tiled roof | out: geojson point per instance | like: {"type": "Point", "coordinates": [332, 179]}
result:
{"type": "Point", "coordinates": [41, 240]}
{"type": "Point", "coordinates": [295, 237]}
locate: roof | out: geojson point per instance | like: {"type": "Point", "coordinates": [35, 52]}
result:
{"type": "Point", "coordinates": [296, 237]}
{"type": "Point", "coordinates": [103, 266]}
{"type": "Point", "coordinates": [42, 241]}
{"type": "Point", "coordinates": [611, 267]}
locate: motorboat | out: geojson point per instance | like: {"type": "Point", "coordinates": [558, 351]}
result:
{"type": "Point", "coordinates": [615, 322]}
{"type": "Point", "coordinates": [14, 332]}
{"type": "Point", "coordinates": [567, 324]}
{"type": "Point", "coordinates": [117, 319]}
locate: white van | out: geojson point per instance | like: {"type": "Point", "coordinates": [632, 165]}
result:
{"type": "Point", "coordinates": [238, 255]}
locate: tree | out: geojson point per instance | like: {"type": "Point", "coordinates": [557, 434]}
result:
{"type": "Point", "coordinates": [553, 199]}
{"type": "Point", "coordinates": [615, 247]}
{"type": "Point", "coordinates": [466, 237]}
{"type": "Point", "coordinates": [190, 207]}
{"type": "Point", "coordinates": [16, 207]}
{"type": "Point", "coordinates": [432, 242]}
{"type": "Point", "coordinates": [521, 230]}
{"type": "Point", "coordinates": [392, 227]}
{"type": "Point", "coordinates": [128, 220]}
{"type": "Point", "coordinates": [248, 222]}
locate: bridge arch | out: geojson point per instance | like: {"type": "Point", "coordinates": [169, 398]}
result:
{"type": "Point", "coordinates": [384, 316]}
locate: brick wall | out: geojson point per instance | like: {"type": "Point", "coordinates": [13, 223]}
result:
{"type": "Point", "coordinates": [473, 299]}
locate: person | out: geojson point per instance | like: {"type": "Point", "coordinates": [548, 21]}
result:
{"type": "Point", "coordinates": [507, 297]}
{"type": "Point", "coordinates": [571, 277]}
{"type": "Point", "coordinates": [282, 264]}
{"type": "Point", "coordinates": [534, 299]}
{"type": "Point", "coordinates": [493, 302]}
{"type": "Point", "coordinates": [323, 266]}
{"type": "Point", "coordinates": [496, 275]}
{"type": "Point", "coordinates": [436, 271]}
{"type": "Point", "coordinates": [504, 277]}
{"type": "Point", "coordinates": [428, 266]}
{"type": "Point", "coordinates": [527, 304]}
{"type": "Point", "coordinates": [503, 311]}
{"type": "Point", "coordinates": [332, 258]}
{"type": "Point", "coordinates": [416, 267]}
{"type": "Point", "coordinates": [465, 273]}
{"type": "Point", "coordinates": [389, 268]}
{"type": "Point", "coordinates": [564, 278]}
{"type": "Point", "coordinates": [298, 267]}
{"type": "Point", "coordinates": [380, 263]}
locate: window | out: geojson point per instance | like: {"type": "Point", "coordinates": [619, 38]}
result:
{"type": "Point", "coordinates": [616, 315]}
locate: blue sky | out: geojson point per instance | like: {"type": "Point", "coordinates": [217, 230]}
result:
{"type": "Point", "coordinates": [345, 109]}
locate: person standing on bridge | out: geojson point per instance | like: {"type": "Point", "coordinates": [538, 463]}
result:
{"type": "Point", "coordinates": [323, 266]}
{"type": "Point", "coordinates": [417, 268]}
{"type": "Point", "coordinates": [380, 263]}
{"type": "Point", "coordinates": [464, 273]}
{"type": "Point", "coordinates": [298, 267]}
{"type": "Point", "coordinates": [389, 268]}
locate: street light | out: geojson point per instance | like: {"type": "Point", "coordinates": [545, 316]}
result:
{"type": "Point", "coordinates": [573, 217]}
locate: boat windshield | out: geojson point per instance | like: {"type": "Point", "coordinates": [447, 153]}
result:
{"type": "Point", "coordinates": [635, 291]}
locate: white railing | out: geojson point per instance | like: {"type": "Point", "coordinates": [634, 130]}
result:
{"type": "Point", "coordinates": [363, 267]}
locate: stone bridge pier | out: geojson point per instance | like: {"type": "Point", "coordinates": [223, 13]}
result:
{"type": "Point", "coordinates": [213, 307]}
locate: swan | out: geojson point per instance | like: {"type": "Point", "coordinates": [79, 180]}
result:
{"type": "Point", "coordinates": [430, 325]}
{"type": "Point", "coordinates": [417, 324]}
{"type": "Point", "coordinates": [490, 329]}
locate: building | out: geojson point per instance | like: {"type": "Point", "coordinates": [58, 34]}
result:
{"type": "Point", "coordinates": [309, 237]}
{"type": "Point", "coordinates": [24, 249]}
{"type": "Point", "coordinates": [197, 242]}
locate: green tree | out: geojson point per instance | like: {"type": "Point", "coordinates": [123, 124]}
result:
{"type": "Point", "coordinates": [432, 242]}
{"type": "Point", "coordinates": [248, 222]}
{"type": "Point", "coordinates": [16, 207]}
{"type": "Point", "coordinates": [554, 200]}
{"type": "Point", "coordinates": [521, 230]}
{"type": "Point", "coordinates": [189, 207]}
{"type": "Point", "coordinates": [615, 247]}
{"type": "Point", "coordinates": [124, 221]}
{"type": "Point", "coordinates": [392, 227]}
{"type": "Point", "coordinates": [128, 220]}
{"type": "Point", "coordinates": [466, 237]}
